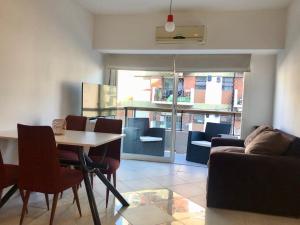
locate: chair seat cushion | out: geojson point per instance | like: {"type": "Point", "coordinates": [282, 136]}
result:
{"type": "Point", "coordinates": [112, 164]}
{"type": "Point", "coordinates": [150, 139]}
{"type": "Point", "coordinates": [68, 155]}
{"type": "Point", "coordinates": [8, 175]}
{"type": "Point", "coordinates": [202, 143]}
{"type": "Point", "coordinates": [69, 178]}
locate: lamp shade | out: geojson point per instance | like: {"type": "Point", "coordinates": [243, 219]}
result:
{"type": "Point", "coordinates": [170, 25]}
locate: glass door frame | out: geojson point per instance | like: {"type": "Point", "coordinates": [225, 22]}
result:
{"type": "Point", "coordinates": [171, 157]}
{"type": "Point", "coordinates": [174, 111]}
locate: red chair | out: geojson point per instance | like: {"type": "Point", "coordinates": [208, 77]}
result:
{"type": "Point", "coordinates": [112, 156]}
{"type": "Point", "coordinates": [39, 168]}
{"type": "Point", "coordinates": [67, 153]}
{"type": "Point", "coordinates": [8, 175]}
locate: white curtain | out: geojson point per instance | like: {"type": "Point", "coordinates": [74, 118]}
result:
{"type": "Point", "coordinates": [111, 77]}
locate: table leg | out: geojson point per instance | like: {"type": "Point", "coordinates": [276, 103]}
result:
{"type": "Point", "coordinates": [7, 196]}
{"type": "Point", "coordinates": [89, 190]}
{"type": "Point", "coordinates": [110, 187]}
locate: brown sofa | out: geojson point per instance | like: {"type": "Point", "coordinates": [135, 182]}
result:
{"type": "Point", "coordinates": [257, 183]}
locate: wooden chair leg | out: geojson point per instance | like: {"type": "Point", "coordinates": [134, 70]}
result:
{"type": "Point", "coordinates": [107, 191]}
{"type": "Point", "coordinates": [77, 199]}
{"type": "Point", "coordinates": [47, 200]}
{"type": "Point", "coordinates": [25, 203]}
{"type": "Point", "coordinates": [77, 188]}
{"type": "Point", "coordinates": [54, 204]}
{"type": "Point", "coordinates": [23, 198]}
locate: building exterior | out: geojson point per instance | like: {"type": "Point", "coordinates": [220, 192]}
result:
{"type": "Point", "coordinates": [203, 91]}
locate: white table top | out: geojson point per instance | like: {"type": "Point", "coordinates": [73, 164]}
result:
{"type": "Point", "coordinates": [78, 138]}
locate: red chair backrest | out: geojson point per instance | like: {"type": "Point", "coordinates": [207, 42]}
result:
{"type": "Point", "coordinates": [1, 169]}
{"type": "Point", "coordinates": [76, 122]}
{"type": "Point", "coordinates": [38, 158]}
{"type": "Point", "coordinates": [110, 126]}
{"type": "Point", "coordinates": [1, 159]}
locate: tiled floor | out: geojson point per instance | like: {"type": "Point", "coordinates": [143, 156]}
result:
{"type": "Point", "coordinates": [180, 158]}
{"type": "Point", "coordinates": [159, 194]}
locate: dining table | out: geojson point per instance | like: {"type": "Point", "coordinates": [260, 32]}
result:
{"type": "Point", "coordinates": [85, 139]}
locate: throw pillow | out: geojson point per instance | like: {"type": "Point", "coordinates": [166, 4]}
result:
{"type": "Point", "coordinates": [254, 133]}
{"type": "Point", "coordinates": [268, 143]}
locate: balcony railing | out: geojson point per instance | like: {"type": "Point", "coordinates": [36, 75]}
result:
{"type": "Point", "coordinates": [233, 118]}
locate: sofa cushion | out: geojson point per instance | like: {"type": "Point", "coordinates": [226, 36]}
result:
{"type": "Point", "coordinates": [268, 143]}
{"type": "Point", "coordinates": [150, 139]}
{"type": "Point", "coordinates": [233, 149]}
{"type": "Point", "coordinates": [202, 143]}
{"type": "Point", "coordinates": [256, 132]}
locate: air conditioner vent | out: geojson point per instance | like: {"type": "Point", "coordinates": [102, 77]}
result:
{"type": "Point", "coordinates": [182, 34]}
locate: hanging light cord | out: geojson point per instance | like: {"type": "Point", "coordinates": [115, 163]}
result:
{"type": "Point", "coordinates": [170, 7]}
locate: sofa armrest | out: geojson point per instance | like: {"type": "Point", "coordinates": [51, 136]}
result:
{"type": "Point", "coordinates": [217, 141]}
{"type": "Point", "coordinates": [266, 184]}
{"type": "Point", "coordinates": [132, 133]}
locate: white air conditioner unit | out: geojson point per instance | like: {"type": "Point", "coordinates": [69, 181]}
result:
{"type": "Point", "coordinates": [182, 34]}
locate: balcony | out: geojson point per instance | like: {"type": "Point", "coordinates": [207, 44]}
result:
{"type": "Point", "coordinates": [165, 97]}
{"type": "Point", "coordinates": [188, 119]}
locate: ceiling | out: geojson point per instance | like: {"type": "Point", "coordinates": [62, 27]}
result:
{"type": "Point", "coordinates": [148, 6]}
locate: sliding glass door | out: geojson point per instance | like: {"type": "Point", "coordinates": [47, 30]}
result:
{"type": "Point", "coordinates": [146, 104]}
{"type": "Point", "coordinates": [160, 108]}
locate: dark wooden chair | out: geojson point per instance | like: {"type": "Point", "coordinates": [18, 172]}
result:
{"type": "Point", "coordinates": [111, 155]}
{"type": "Point", "coordinates": [39, 168]}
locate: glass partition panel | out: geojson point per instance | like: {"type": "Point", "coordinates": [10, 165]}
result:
{"type": "Point", "coordinates": [145, 103]}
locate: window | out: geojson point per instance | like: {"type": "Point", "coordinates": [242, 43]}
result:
{"type": "Point", "coordinates": [227, 84]}
{"type": "Point", "coordinates": [167, 88]}
{"type": "Point", "coordinates": [199, 119]}
{"type": "Point", "coordinates": [226, 119]}
{"type": "Point", "coordinates": [200, 83]}
{"type": "Point", "coordinates": [168, 122]}
{"type": "Point", "coordinates": [168, 83]}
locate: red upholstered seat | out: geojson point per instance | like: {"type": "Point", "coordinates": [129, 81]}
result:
{"type": "Point", "coordinates": [68, 155]}
{"type": "Point", "coordinates": [39, 168]}
{"type": "Point", "coordinates": [68, 152]}
{"type": "Point", "coordinates": [112, 164]}
{"type": "Point", "coordinates": [112, 157]}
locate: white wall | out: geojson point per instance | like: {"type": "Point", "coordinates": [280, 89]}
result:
{"type": "Point", "coordinates": [225, 30]}
{"type": "Point", "coordinates": [45, 54]}
{"type": "Point", "coordinates": [258, 93]}
{"type": "Point", "coordinates": [287, 95]}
